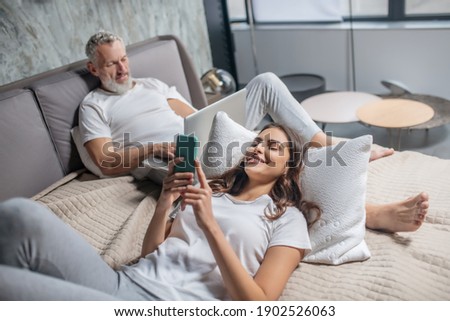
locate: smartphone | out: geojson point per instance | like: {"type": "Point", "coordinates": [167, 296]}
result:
{"type": "Point", "coordinates": [186, 147]}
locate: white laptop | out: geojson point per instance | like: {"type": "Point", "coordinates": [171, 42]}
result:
{"type": "Point", "coordinates": [199, 123]}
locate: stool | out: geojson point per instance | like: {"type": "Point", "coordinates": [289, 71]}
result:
{"type": "Point", "coordinates": [303, 86]}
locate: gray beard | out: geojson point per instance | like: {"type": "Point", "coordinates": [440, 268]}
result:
{"type": "Point", "coordinates": [120, 89]}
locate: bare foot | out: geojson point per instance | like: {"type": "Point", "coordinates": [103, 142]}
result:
{"type": "Point", "coordinates": [405, 216]}
{"type": "Point", "coordinates": [379, 153]}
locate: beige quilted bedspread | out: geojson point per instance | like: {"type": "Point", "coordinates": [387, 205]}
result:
{"type": "Point", "coordinates": [112, 214]}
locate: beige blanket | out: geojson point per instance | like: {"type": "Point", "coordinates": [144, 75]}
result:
{"type": "Point", "coordinates": [113, 214]}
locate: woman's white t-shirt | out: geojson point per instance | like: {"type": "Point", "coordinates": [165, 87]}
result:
{"type": "Point", "coordinates": [183, 266]}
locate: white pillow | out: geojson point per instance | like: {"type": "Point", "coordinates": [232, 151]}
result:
{"type": "Point", "coordinates": [151, 168]}
{"type": "Point", "coordinates": [338, 185]}
{"type": "Point", "coordinates": [338, 188]}
{"type": "Point", "coordinates": [226, 145]}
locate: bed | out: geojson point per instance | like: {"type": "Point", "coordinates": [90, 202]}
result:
{"type": "Point", "coordinates": [113, 213]}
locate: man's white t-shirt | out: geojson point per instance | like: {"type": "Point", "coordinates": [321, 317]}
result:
{"type": "Point", "coordinates": [183, 266]}
{"type": "Point", "coordinates": [140, 115]}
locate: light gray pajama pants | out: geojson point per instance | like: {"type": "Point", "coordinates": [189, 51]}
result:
{"type": "Point", "coordinates": [43, 258]}
{"type": "Point", "coordinates": [268, 95]}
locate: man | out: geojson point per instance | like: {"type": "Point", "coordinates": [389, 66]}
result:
{"type": "Point", "coordinates": [152, 113]}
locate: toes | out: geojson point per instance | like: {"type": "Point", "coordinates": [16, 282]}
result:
{"type": "Point", "coordinates": [423, 196]}
{"type": "Point", "coordinates": [422, 212]}
{"type": "Point", "coordinates": [422, 208]}
{"type": "Point", "coordinates": [424, 205]}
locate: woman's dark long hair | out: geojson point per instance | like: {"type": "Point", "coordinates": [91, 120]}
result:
{"type": "Point", "coordinates": [287, 189]}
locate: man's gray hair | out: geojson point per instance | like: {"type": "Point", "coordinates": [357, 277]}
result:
{"type": "Point", "coordinates": [98, 39]}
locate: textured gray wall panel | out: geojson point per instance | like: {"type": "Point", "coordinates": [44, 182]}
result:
{"type": "Point", "coordinates": [39, 35]}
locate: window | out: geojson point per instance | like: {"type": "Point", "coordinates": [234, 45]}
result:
{"type": "Point", "coordinates": [236, 10]}
{"type": "Point", "coordinates": [364, 8]}
{"type": "Point", "coordinates": [393, 10]}
{"type": "Point", "coordinates": [431, 8]}
{"type": "Point", "coordinates": [270, 11]}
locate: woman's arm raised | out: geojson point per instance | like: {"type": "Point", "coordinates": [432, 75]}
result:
{"type": "Point", "coordinates": [159, 226]}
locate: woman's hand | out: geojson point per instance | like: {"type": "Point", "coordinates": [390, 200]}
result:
{"type": "Point", "coordinates": [200, 199]}
{"type": "Point", "coordinates": [174, 183]}
{"type": "Point", "coordinates": [160, 224]}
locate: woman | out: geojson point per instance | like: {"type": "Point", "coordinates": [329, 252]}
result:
{"type": "Point", "coordinates": [239, 237]}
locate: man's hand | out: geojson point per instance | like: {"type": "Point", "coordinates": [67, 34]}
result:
{"type": "Point", "coordinates": [113, 160]}
{"type": "Point", "coordinates": [164, 150]}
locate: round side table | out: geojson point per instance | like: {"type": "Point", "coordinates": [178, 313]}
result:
{"type": "Point", "coordinates": [395, 114]}
{"type": "Point", "coordinates": [441, 107]}
{"type": "Point", "coordinates": [337, 107]}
